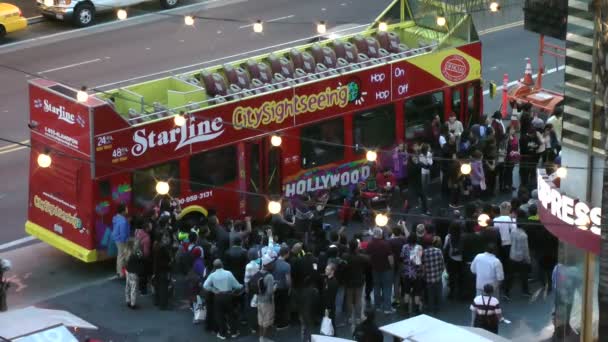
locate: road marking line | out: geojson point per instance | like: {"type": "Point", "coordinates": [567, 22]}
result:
{"type": "Point", "coordinates": [501, 27]}
{"type": "Point", "coordinates": [13, 150]}
{"type": "Point", "coordinates": [14, 145]}
{"type": "Point", "coordinates": [98, 28]}
{"type": "Point", "coordinates": [270, 20]}
{"type": "Point", "coordinates": [512, 83]}
{"type": "Point", "coordinates": [17, 242]}
{"type": "Point", "coordinates": [70, 66]}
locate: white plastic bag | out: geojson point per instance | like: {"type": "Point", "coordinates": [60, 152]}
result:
{"type": "Point", "coordinates": [327, 328]}
{"type": "Point", "coordinates": [199, 310]}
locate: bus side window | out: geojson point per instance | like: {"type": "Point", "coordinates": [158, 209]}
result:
{"type": "Point", "coordinates": [322, 143]}
{"type": "Point", "coordinates": [419, 113]}
{"type": "Point", "coordinates": [372, 128]}
{"type": "Point", "coordinates": [144, 183]}
{"type": "Point", "coordinates": [213, 168]}
{"type": "Point", "coordinates": [472, 107]}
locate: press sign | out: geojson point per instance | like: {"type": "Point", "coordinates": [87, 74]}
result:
{"type": "Point", "coordinates": [571, 211]}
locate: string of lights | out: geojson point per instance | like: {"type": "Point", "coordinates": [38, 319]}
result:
{"type": "Point", "coordinates": [162, 187]}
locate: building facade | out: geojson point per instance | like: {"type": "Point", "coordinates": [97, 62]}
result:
{"type": "Point", "coordinates": [581, 288]}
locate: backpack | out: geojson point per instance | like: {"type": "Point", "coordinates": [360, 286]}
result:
{"type": "Point", "coordinates": [341, 271]}
{"type": "Point", "coordinates": [184, 259]}
{"type": "Point", "coordinates": [256, 284]}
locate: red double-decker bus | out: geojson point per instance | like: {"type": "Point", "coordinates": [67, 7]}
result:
{"type": "Point", "coordinates": [329, 101]}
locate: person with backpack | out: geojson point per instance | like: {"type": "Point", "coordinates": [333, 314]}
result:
{"type": "Point", "coordinates": [142, 234]}
{"type": "Point", "coordinates": [253, 267]}
{"type": "Point", "coordinates": [263, 286]}
{"type": "Point", "coordinates": [485, 310]}
{"type": "Point", "coordinates": [282, 275]}
{"type": "Point", "coordinates": [222, 284]}
{"type": "Point", "coordinates": [413, 276]}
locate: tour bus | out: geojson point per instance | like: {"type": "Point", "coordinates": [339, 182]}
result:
{"type": "Point", "coordinates": [207, 134]}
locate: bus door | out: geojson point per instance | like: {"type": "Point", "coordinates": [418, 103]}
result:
{"type": "Point", "coordinates": [110, 193]}
{"type": "Point", "coordinates": [263, 174]}
{"type": "Point", "coordinates": [472, 105]}
{"type": "Point", "coordinates": [457, 104]}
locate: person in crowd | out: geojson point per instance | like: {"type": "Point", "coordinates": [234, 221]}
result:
{"type": "Point", "coordinates": [436, 132]}
{"type": "Point", "coordinates": [454, 125]}
{"type": "Point", "coordinates": [512, 157]}
{"type": "Point", "coordinates": [400, 158]}
{"type": "Point", "coordinates": [357, 263]}
{"type": "Point", "coordinates": [222, 284]}
{"type": "Point", "coordinates": [425, 159]}
{"type": "Point", "coordinates": [219, 234]}
{"type": "Point", "coordinates": [505, 224]}
{"type": "Point", "coordinates": [490, 156]}
{"type": "Point", "coordinates": [235, 260]}
{"type": "Point", "coordinates": [282, 276]}
{"type": "Point", "coordinates": [448, 155]}
{"type": "Point", "coordinates": [555, 120]}
{"type": "Point", "coordinates": [478, 178]}
{"type": "Point", "coordinates": [529, 145]}
{"type": "Point", "coordinates": [330, 290]}
{"type": "Point", "coordinates": [134, 266]}
{"type": "Point", "coordinates": [433, 266]}
{"type": "Point", "coordinates": [381, 260]}
{"type": "Point", "coordinates": [551, 144]}
{"type": "Point", "coordinates": [253, 267]}
{"type": "Point", "coordinates": [452, 248]}
{"type": "Point", "coordinates": [537, 122]}
{"type": "Point", "coordinates": [413, 275]}
{"type": "Point", "coordinates": [397, 240]}
{"type": "Point", "coordinates": [487, 269]}
{"type": "Point", "coordinates": [162, 271]}
{"type": "Point", "coordinates": [120, 235]}
{"type": "Point", "coordinates": [142, 234]}
{"type": "Point", "coordinates": [525, 119]}
{"type": "Point", "coordinates": [485, 310]}
{"type": "Point", "coordinates": [520, 260]}
{"type": "Point", "coordinates": [265, 298]}
{"type": "Point", "coordinates": [368, 330]}
{"type": "Point", "coordinates": [415, 188]}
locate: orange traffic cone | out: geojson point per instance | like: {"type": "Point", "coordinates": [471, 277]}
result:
{"type": "Point", "coordinates": [528, 74]}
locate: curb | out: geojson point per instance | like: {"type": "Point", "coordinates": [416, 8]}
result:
{"type": "Point", "coordinates": [35, 20]}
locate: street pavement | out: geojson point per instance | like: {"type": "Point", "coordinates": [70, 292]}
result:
{"type": "Point", "coordinates": [28, 7]}
{"type": "Point", "coordinates": [53, 279]}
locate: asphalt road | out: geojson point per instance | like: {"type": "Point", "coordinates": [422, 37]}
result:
{"type": "Point", "coordinates": [166, 44]}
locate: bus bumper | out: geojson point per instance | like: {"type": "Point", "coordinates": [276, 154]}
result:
{"type": "Point", "coordinates": [77, 251]}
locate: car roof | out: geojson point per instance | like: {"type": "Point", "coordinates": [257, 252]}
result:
{"type": "Point", "coordinates": [6, 7]}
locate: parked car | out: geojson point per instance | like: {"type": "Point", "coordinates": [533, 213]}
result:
{"type": "Point", "coordinates": [82, 12]}
{"type": "Point", "coordinates": [11, 19]}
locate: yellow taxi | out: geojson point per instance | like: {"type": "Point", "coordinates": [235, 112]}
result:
{"type": "Point", "coordinates": [11, 19]}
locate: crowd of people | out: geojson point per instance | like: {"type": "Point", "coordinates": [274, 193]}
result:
{"type": "Point", "coordinates": [295, 269]}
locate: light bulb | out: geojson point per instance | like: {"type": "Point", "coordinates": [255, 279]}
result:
{"type": "Point", "coordinates": [382, 26]}
{"type": "Point", "coordinates": [44, 160]}
{"type": "Point", "coordinates": [561, 172]}
{"type": "Point", "coordinates": [465, 168]}
{"type": "Point", "coordinates": [188, 20]}
{"type": "Point", "coordinates": [274, 207]}
{"type": "Point", "coordinates": [371, 156]}
{"type": "Point", "coordinates": [258, 27]}
{"type": "Point", "coordinates": [321, 27]}
{"type": "Point", "coordinates": [483, 220]}
{"type": "Point", "coordinates": [441, 21]}
{"type": "Point", "coordinates": [381, 220]}
{"type": "Point", "coordinates": [121, 14]}
{"type": "Point", "coordinates": [179, 120]}
{"type": "Point", "coordinates": [82, 95]}
{"type": "Point", "coordinates": [276, 140]}
{"type": "Point", "coordinates": [494, 6]}
{"type": "Point", "coordinates": [162, 188]}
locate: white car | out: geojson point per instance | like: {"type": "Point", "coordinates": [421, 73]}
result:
{"type": "Point", "coordinates": [82, 12]}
